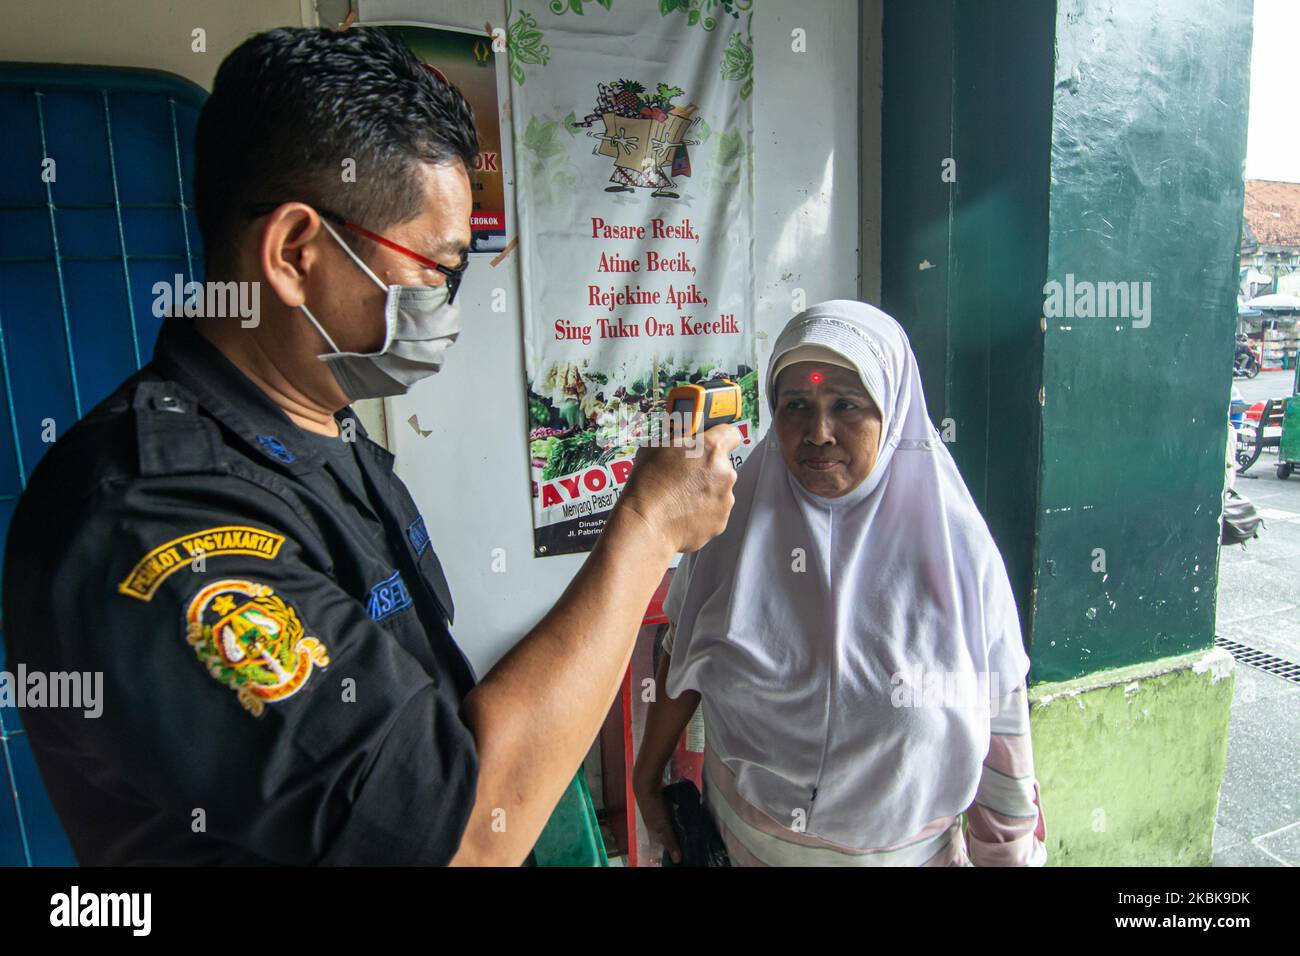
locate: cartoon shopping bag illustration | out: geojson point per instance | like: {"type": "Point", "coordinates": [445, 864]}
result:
{"type": "Point", "coordinates": [646, 136]}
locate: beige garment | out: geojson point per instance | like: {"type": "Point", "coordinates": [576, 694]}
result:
{"type": "Point", "coordinates": [755, 839]}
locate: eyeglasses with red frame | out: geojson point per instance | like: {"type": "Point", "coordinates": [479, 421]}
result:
{"type": "Point", "coordinates": [454, 276]}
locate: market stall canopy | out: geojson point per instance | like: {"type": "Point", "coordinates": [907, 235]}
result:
{"type": "Point", "coordinates": [1275, 302]}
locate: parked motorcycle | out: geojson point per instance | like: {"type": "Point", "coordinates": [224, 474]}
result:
{"type": "Point", "coordinates": [1240, 520]}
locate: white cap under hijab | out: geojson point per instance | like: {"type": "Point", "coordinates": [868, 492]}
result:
{"type": "Point", "coordinates": [810, 353]}
{"type": "Point", "coordinates": [803, 622]}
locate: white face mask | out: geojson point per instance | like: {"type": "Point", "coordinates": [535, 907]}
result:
{"type": "Point", "coordinates": [420, 325]}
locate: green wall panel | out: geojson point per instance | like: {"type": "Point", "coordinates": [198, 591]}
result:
{"type": "Point", "coordinates": [1148, 140]}
{"type": "Point", "coordinates": [963, 262]}
{"type": "Point", "coordinates": [916, 205]}
{"type": "Point", "coordinates": [1104, 141]}
{"type": "Point", "coordinates": [1002, 124]}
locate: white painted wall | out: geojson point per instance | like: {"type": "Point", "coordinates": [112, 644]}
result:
{"type": "Point", "coordinates": [153, 34]}
{"type": "Point", "coordinates": [470, 474]}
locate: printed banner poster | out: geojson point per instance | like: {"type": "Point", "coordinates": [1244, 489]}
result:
{"type": "Point", "coordinates": [467, 61]}
{"type": "Point", "coordinates": [633, 151]}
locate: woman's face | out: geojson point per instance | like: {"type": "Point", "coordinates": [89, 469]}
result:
{"type": "Point", "coordinates": [828, 427]}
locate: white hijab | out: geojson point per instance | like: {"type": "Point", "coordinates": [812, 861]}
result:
{"type": "Point", "coordinates": [801, 666]}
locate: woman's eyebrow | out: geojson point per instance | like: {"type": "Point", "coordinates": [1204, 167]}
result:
{"type": "Point", "coordinates": [855, 391]}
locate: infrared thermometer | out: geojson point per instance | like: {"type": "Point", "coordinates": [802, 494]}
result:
{"type": "Point", "coordinates": [700, 407]}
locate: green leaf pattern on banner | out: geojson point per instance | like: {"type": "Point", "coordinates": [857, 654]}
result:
{"type": "Point", "coordinates": [553, 176]}
{"type": "Point", "coordinates": [702, 12]}
{"type": "Point", "coordinates": [729, 162]}
{"type": "Point", "coordinates": [524, 39]}
{"type": "Point", "coordinates": [738, 64]}
{"type": "Point", "coordinates": [559, 7]}
{"type": "Point", "coordinates": [524, 44]}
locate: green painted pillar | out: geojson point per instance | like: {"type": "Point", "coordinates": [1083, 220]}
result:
{"type": "Point", "coordinates": [1062, 196]}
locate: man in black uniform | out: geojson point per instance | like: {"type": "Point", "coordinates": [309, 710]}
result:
{"type": "Point", "coordinates": [222, 541]}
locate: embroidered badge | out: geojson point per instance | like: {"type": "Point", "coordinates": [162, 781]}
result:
{"type": "Point", "coordinates": [388, 597]}
{"type": "Point", "coordinates": [252, 641]}
{"type": "Point", "coordinates": [166, 559]}
{"type": "Point", "coordinates": [418, 534]}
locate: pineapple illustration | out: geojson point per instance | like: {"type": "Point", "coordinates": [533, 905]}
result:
{"type": "Point", "coordinates": [627, 98]}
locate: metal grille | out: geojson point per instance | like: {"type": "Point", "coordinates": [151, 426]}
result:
{"type": "Point", "coordinates": [121, 144]}
{"type": "Point", "coordinates": [79, 253]}
{"type": "Point", "coordinates": [1268, 663]}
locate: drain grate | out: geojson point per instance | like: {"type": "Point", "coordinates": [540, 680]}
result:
{"type": "Point", "coordinates": [1268, 663]}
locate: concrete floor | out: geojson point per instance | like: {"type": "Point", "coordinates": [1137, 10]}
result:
{"type": "Point", "coordinates": [1259, 606]}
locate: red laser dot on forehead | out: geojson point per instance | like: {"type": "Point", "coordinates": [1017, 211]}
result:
{"type": "Point", "coordinates": [815, 378]}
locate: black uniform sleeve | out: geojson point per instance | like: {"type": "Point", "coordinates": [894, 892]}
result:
{"type": "Point", "coordinates": [245, 692]}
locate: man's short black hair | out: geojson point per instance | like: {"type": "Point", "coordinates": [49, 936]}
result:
{"type": "Point", "coordinates": [289, 106]}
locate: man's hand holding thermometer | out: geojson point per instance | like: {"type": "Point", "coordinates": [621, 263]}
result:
{"type": "Point", "coordinates": [701, 407]}
{"type": "Point", "coordinates": [683, 491]}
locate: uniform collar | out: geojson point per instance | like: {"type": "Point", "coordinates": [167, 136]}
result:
{"type": "Point", "coordinates": [230, 396]}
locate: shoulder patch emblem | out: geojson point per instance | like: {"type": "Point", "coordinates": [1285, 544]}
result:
{"type": "Point", "coordinates": [418, 535]}
{"type": "Point", "coordinates": [388, 597]}
{"type": "Point", "coordinates": [166, 559]}
{"type": "Point", "coordinates": [252, 641]}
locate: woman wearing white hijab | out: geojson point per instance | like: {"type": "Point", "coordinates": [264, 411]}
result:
{"type": "Point", "coordinates": [852, 634]}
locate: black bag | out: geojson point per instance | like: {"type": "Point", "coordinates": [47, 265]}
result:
{"type": "Point", "coordinates": [1241, 521]}
{"type": "Point", "coordinates": [697, 835]}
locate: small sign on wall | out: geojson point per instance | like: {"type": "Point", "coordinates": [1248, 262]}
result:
{"type": "Point", "coordinates": [467, 61]}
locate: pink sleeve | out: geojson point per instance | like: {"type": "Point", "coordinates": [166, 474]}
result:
{"type": "Point", "coordinates": [1005, 821]}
